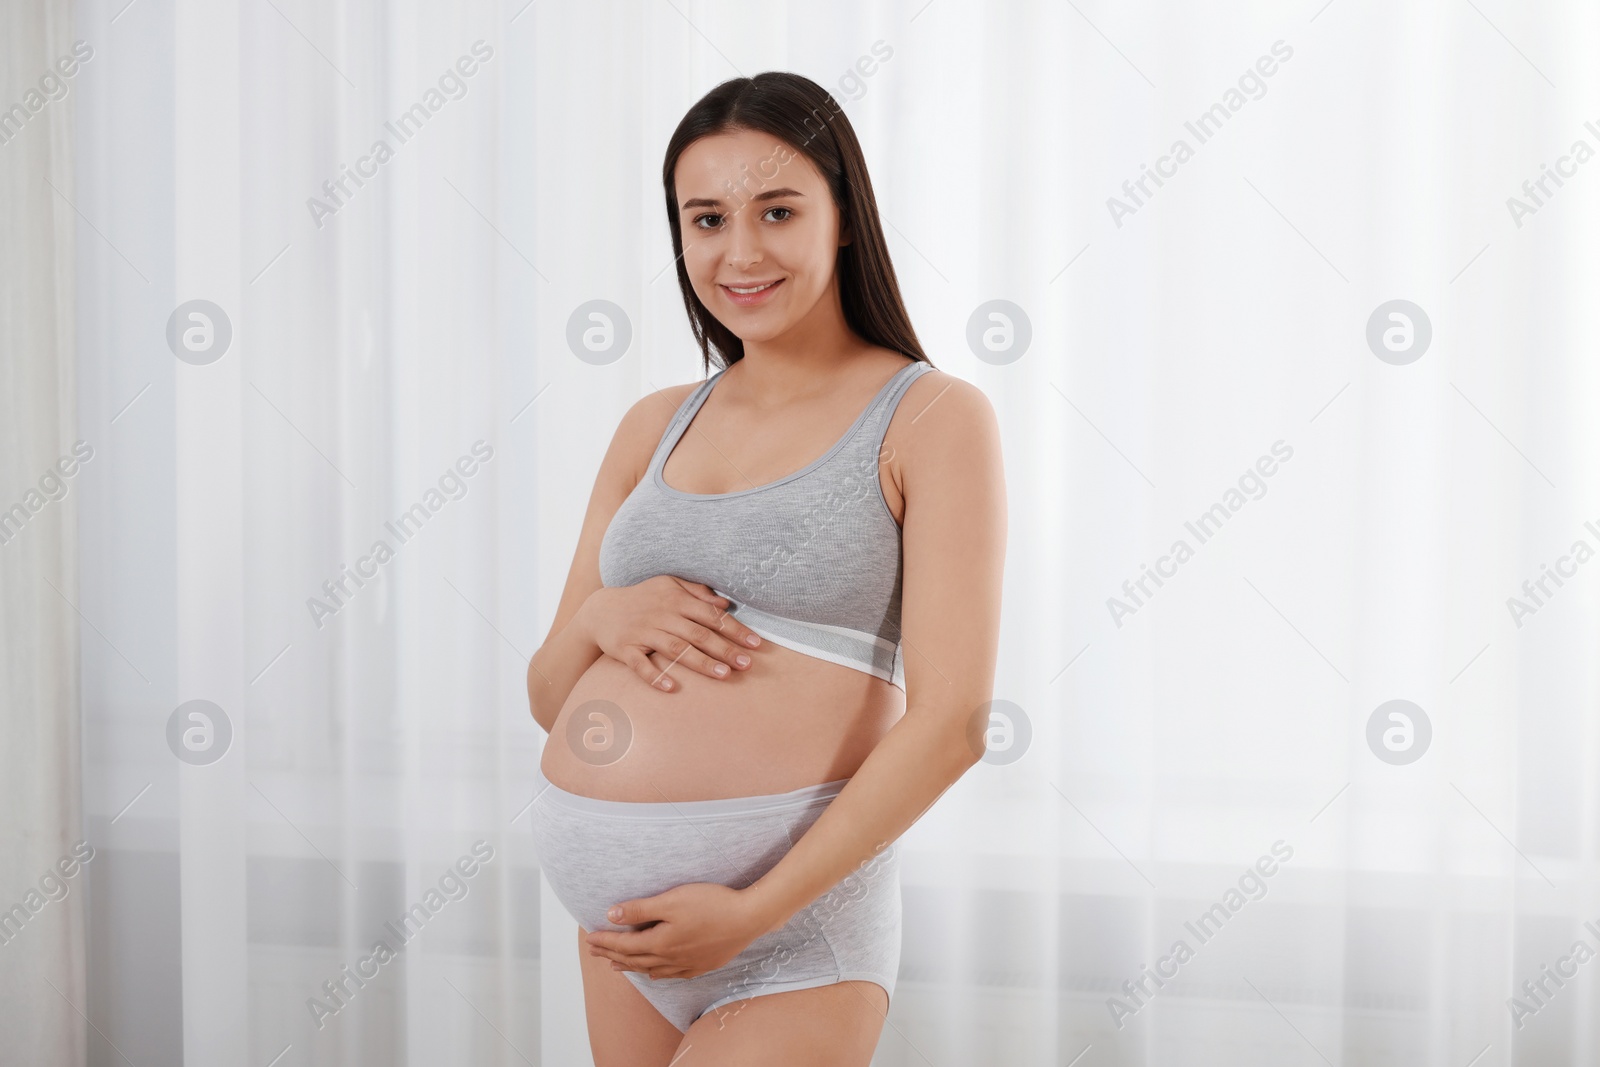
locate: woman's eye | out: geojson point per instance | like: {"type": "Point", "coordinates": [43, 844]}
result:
{"type": "Point", "coordinates": [699, 220]}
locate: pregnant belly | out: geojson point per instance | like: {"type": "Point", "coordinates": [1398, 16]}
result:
{"type": "Point", "coordinates": [789, 721]}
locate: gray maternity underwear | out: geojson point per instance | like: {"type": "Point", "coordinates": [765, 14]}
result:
{"type": "Point", "coordinates": [596, 853]}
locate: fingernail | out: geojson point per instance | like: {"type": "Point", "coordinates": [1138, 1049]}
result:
{"type": "Point", "coordinates": [721, 668]}
{"type": "Point", "coordinates": [666, 683]}
{"type": "Point", "coordinates": [742, 660]}
{"type": "Point", "coordinates": [752, 640]}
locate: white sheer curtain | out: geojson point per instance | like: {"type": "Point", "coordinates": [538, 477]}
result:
{"type": "Point", "coordinates": [43, 881]}
{"type": "Point", "coordinates": [1205, 362]}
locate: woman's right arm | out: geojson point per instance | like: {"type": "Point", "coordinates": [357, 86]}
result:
{"type": "Point", "coordinates": [652, 626]}
{"type": "Point", "coordinates": [569, 648]}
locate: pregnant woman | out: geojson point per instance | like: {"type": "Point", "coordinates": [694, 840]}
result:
{"type": "Point", "coordinates": [776, 644]}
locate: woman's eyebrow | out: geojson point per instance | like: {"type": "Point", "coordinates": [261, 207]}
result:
{"type": "Point", "coordinates": [770, 194]}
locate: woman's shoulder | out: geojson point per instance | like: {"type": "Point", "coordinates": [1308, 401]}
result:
{"type": "Point", "coordinates": [650, 415]}
{"type": "Point", "coordinates": [963, 401]}
{"type": "Point", "coordinates": [941, 414]}
{"type": "Point", "coordinates": [645, 424]}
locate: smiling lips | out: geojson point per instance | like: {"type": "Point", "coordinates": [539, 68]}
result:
{"type": "Point", "coordinates": [750, 295]}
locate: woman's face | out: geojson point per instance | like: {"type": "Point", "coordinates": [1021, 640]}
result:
{"type": "Point", "coordinates": [755, 212]}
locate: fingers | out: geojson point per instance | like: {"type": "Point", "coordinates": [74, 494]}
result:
{"type": "Point", "coordinates": [640, 661]}
{"type": "Point", "coordinates": [719, 618]}
{"type": "Point", "coordinates": [663, 668]}
{"type": "Point", "coordinates": [650, 964]}
{"type": "Point", "coordinates": [638, 962]}
{"type": "Point", "coordinates": [697, 634]}
{"type": "Point", "coordinates": [653, 965]}
{"type": "Point", "coordinates": [702, 650]}
{"type": "Point", "coordinates": [732, 632]}
{"type": "Point", "coordinates": [655, 972]}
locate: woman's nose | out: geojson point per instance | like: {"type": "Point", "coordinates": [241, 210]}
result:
{"type": "Point", "coordinates": [744, 245]}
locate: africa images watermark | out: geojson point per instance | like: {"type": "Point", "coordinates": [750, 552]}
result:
{"type": "Point", "coordinates": [1204, 527]}
{"type": "Point", "coordinates": [1566, 566]}
{"type": "Point", "coordinates": [1252, 886]}
{"type": "Point", "coordinates": [53, 486]}
{"type": "Point", "coordinates": [452, 486]}
{"type": "Point", "coordinates": [1580, 153]}
{"type": "Point", "coordinates": [53, 886]}
{"type": "Point", "coordinates": [52, 87]}
{"type": "Point", "coordinates": [852, 83]}
{"type": "Point", "coordinates": [342, 988]}
{"type": "Point", "coordinates": [859, 482]}
{"type": "Point", "coordinates": [452, 86]}
{"type": "Point", "coordinates": [1581, 953]}
{"type": "Point", "coordinates": [1204, 127]}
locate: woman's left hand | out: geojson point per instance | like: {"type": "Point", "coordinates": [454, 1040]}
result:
{"type": "Point", "coordinates": [699, 926]}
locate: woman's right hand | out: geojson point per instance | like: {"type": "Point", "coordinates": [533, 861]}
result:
{"type": "Point", "coordinates": [685, 622]}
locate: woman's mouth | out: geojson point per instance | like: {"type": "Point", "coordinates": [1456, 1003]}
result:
{"type": "Point", "coordinates": [750, 295]}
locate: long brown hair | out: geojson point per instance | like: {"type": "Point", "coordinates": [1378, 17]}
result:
{"type": "Point", "coordinates": [802, 114]}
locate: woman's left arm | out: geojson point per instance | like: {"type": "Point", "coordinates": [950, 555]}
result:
{"type": "Point", "coordinates": [953, 551]}
{"type": "Point", "coordinates": [953, 534]}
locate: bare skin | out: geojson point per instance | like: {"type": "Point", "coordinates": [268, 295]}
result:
{"type": "Point", "coordinates": [782, 720]}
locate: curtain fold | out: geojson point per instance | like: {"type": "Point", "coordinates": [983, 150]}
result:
{"type": "Point", "coordinates": [45, 858]}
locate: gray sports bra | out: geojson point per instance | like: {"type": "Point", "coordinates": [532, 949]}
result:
{"type": "Point", "coordinates": [810, 561]}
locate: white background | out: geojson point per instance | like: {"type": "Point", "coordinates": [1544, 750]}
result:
{"type": "Point", "coordinates": [1168, 353]}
